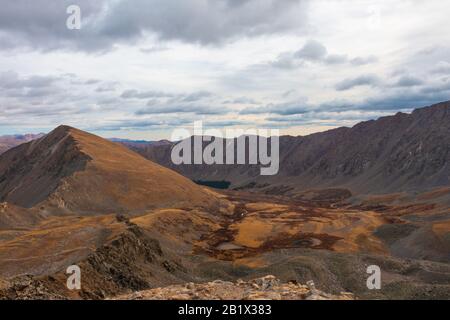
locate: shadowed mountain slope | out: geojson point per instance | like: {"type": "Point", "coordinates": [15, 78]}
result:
{"type": "Point", "coordinates": [403, 152]}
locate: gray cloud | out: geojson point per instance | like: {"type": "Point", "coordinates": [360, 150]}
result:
{"type": "Point", "coordinates": [439, 89]}
{"type": "Point", "coordinates": [39, 110]}
{"type": "Point", "coordinates": [42, 24]}
{"type": "Point", "coordinates": [287, 108]}
{"type": "Point", "coordinates": [196, 96]}
{"type": "Point", "coordinates": [135, 94]}
{"type": "Point", "coordinates": [301, 107]}
{"type": "Point", "coordinates": [199, 103]}
{"type": "Point", "coordinates": [285, 61]}
{"type": "Point", "coordinates": [57, 97]}
{"type": "Point", "coordinates": [364, 80]}
{"type": "Point", "coordinates": [359, 61]}
{"type": "Point", "coordinates": [403, 100]}
{"type": "Point", "coordinates": [206, 22]}
{"type": "Point", "coordinates": [225, 123]}
{"type": "Point", "coordinates": [174, 98]}
{"type": "Point", "coordinates": [154, 49]}
{"type": "Point", "coordinates": [393, 100]}
{"type": "Point", "coordinates": [155, 124]}
{"type": "Point", "coordinates": [155, 107]}
{"type": "Point", "coordinates": [336, 59]}
{"type": "Point", "coordinates": [241, 100]}
{"type": "Point", "coordinates": [11, 80]}
{"type": "Point", "coordinates": [107, 87]}
{"type": "Point", "coordinates": [318, 117]}
{"type": "Point", "coordinates": [39, 26]}
{"type": "Point", "coordinates": [91, 81]}
{"type": "Point", "coordinates": [314, 51]}
{"type": "Point", "coordinates": [338, 114]}
{"type": "Point", "coordinates": [442, 67]}
{"type": "Point", "coordinates": [139, 124]}
{"type": "Point", "coordinates": [408, 81]}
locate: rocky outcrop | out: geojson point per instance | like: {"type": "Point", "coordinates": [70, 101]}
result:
{"type": "Point", "coordinates": [266, 288]}
{"type": "Point", "coordinates": [30, 288]}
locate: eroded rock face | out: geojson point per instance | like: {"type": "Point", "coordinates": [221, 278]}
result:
{"type": "Point", "coordinates": [29, 288]}
{"type": "Point", "coordinates": [265, 288]}
{"type": "Point", "coordinates": [131, 261]}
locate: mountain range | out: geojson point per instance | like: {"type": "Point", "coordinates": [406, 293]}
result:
{"type": "Point", "coordinates": [374, 194]}
{"type": "Point", "coordinates": [403, 152]}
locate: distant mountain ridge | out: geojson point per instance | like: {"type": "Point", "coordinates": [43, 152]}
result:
{"type": "Point", "coordinates": [403, 152]}
{"type": "Point", "coordinates": [139, 143]}
{"type": "Point", "coordinates": [10, 141]}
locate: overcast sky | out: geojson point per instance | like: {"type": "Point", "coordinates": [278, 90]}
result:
{"type": "Point", "coordinates": [139, 68]}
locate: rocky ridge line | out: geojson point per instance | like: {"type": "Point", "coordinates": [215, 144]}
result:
{"type": "Point", "coordinates": [265, 288]}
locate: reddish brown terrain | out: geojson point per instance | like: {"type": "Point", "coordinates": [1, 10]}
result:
{"type": "Point", "coordinates": [71, 197]}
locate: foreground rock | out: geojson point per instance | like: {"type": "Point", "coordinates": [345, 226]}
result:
{"type": "Point", "coordinates": [266, 288]}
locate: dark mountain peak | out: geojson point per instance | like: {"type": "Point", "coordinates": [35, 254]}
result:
{"type": "Point", "coordinates": [63, 127]}
{"type": "Point", "coordinates": [63, 130]}
{"type": "Point", "coordinates": [72, 170]}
